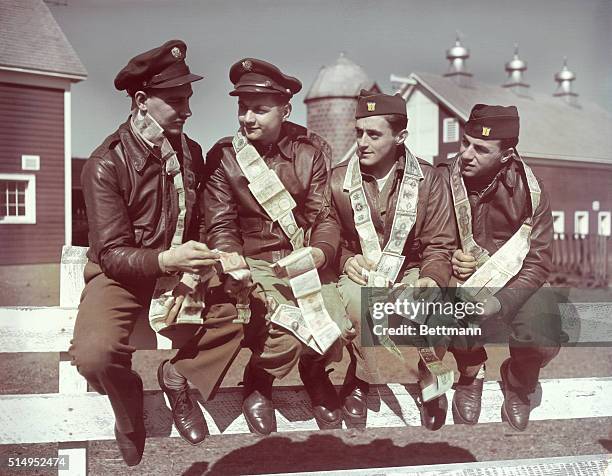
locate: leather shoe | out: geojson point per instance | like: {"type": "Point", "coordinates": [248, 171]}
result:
{"type": "Point", "coordinates": [257, 405]}
{"type": "Point", "coordinates": [355, 398]}
{"type": "Point", "coordinates": [186, 413]}
{"type": "Point", "coordinates": [516, 407]}
{"type": "Point", "coordinates": [323, 396]}
{"type": "Point", "coordinates": [131, 445]}
{"type": "Point", "coordinates": [467, 400]}
{"type": "Point", "coordinates": [433, 412]}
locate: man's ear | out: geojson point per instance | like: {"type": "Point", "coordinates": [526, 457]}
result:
{"type": "Point", "coordinates": [140, 99]}
{"type": "Point", "coordinates": [400, 138]}
{"type": "Point", "coordinates": [507, 155]}
{"type": "Point", "coordinates": [287, 111]}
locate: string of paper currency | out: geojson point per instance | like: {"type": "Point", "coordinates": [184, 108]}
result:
{"type": "Point", "coordinates": [493, 272]}
{"type": "Point", "coordinates": [300, 268]}
{"type": "Point", "coordinates": [390, 260]}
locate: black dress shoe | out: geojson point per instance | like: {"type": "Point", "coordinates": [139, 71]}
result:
{"type": "Point", "coordinates": [516, 407]}
{"type": "Point", "coordinates": [323, 396]}
{"type": "Point", "coordinates": [467, 400]}
{"type": "Point", "coordinates": [186, 413]}
{"type": "Point", "coordinates": [433, 412]}
{"type": "Point", "coordinates": [355, 398]}
{"type": "Point", "coordinates": [131, 445]}
{"type": "Point", "coordinates": [257, 405]}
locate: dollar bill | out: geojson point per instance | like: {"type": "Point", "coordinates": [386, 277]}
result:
{"type": "Point", "coordinates": [390, 265]}
{"type": "Point", "coordinates": [278, 205]}
{"type": "Point", "coordinates": [297, 263]}
{"type": "Point", "coordinates": [266, 186]}
{"type": "Point", "coordinates": [306, 284]}
{"type": "Point", "coordinates": [324, 330]}
{"type": "Point", "coordinates": [290, 317]}
{"type": "Point", "coordinates": [438, 378]}
{"type": "Point", "coordinates": [377, 280]}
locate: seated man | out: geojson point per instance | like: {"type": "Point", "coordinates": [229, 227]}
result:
{"type": "Point", "coordinates": [504, 218]}
{"type": "Point", "coordinates": [266, 194]}
{"type": "Point", "coordinates": [396, 219]}
{"type": "Point", "coordinates": [140, 190]}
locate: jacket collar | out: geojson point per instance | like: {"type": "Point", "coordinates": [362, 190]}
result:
{"type": "Point", "coordinates": [136, 149]}
{"type": "Point", "coordinates": [289, 132]}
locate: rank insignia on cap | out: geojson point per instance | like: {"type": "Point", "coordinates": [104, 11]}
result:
{"type": "Point", "coordinates": [176, 52]}
{"type": "Point", "coordinates": [371, 106]}
{"type": "Point", "coordinates": [247, 65]}
{"type": "Point", "coordinates": [486, 131]}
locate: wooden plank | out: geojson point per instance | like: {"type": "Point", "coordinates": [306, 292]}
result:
{"type": "Point", "coordinates": [73, 263]}
{"type": "Point", "coordinates": [586, 465]}
{"type": "Point", "coordinates": [89, 416]}
{"type": "Point", "coordinates": [49, 329]}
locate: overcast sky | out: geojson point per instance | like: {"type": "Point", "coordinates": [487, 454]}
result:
{"type": "Point", "coordinates": [383, 36]}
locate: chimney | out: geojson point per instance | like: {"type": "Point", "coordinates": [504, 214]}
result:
{"type": "Point", "coordinates": [564, 80]}
{"type": "Point", "coordinates": [457, 70]}
{"type": "Point", "coordinates": [515, 68]}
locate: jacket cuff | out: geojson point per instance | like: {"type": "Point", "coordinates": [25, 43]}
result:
{"type": "Point", "coordinates": [150, 264]}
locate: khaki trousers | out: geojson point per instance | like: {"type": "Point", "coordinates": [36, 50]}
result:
{"type": "Point", "coordinates": [103, 355]}
{"type": "Point", "coordinates": [275, 349]}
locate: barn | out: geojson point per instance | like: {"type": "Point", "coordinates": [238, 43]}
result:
{"type": "Point", "coordinates": [38, 67]}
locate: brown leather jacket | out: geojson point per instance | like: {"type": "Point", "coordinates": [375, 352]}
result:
{"type": "Point", "coordinates": [499, 208]}
{"type": "Point", "coordinates": [432, 240]}
{"type": "Point", "coordinates": [234, 221]}
{"type": "Point", "coordinates": [132, 207]}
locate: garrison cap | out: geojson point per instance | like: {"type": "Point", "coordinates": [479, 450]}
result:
{"type": "Point", "coordinates": [378, 104]}
{"type": "Point", "coordinates": [493, 122]}
{"type": "Point", "coordinates": [162, 67]}
{"type": "Point", "coordinates": [250, 75]}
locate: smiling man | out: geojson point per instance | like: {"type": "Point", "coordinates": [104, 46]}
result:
{"type": "Point", "coordinates": [141, 189]}
{"type": "Point", "coordinates": [396, 222]}
{"type": "Point", "coordinates": [505, 230]}
{"type": "Point", "coordinates": [267, 200]}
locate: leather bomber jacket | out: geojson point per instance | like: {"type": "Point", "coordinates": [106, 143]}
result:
{"type": "Point", "coordinates": [132, 207]}
{"type": "Point", "coordinates": [234, 220]}
{"type": "Point", "coordinates": [498, 211]}
{"type": "Point", "coordinates": [432, 239]}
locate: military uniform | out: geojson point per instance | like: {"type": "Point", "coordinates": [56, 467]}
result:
{"type": "Point", "coordinates": [529, 316]}
{"type": "Point", "coordinates": [237, 222]}
{"type": "Point", "coordinates": [132, 209]}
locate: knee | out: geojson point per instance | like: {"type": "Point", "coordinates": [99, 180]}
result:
{"type": "Point", "coordinates": [91, 359]}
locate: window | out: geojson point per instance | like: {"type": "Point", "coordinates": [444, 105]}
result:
{"type": "Point", "coordinates": [581, 223]}
{"type": "Point", "coordinates": [450, 128]}
{"type": "Point", "coordinates": [17, 198]}
{"type": "Point", "coordinates": [558, 222]}
{"type": "Point", "coordinates": [604, 225]}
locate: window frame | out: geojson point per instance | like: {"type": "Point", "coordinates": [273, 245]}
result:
{"type": "Point", "coordinates": [445, 128]}
{"type": "Point", "coordinates": [30, 200]}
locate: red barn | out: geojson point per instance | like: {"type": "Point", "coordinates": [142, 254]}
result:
{"type": "Point", "coordinates": [37, 69]}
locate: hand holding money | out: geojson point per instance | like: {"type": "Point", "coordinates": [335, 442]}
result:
{"type": "Point", "coordinates": [357, 268]}
{"type": "Point", "coordinates": [190, 257]}
{"type": "Point", "coordinates": [427, 289]}
{"type": "Point", "coordinates": [464, 264]}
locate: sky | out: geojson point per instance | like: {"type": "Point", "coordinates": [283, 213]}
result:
{"type": "Point", "coordinates": [383, 36]}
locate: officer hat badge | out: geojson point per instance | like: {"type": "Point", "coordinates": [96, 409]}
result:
{"type": "Point", "coordinates": [486, 131]}
{"type": "Point", "coordinates": [371, 106]}
{"type": "Point", "coordinates": [247, 65]}
{"type": "Point", "coordinates": [176, 52]}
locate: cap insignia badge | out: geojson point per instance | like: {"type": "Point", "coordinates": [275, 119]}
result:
{"type": "Point", "coordinates": [176, 52]}
{"type": "Point", "coordinates": [486, 131]}
{"type": "Point", "coordinates": [371, 106]}
{"type": "Point", "coordinates": [247, 65]}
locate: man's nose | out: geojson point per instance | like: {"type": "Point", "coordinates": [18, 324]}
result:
{"type": "Point", "coordinates": [467, 154]}
{"type": "Point", "coordinates": [249, 116]}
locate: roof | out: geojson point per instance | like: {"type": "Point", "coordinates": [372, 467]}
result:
{"type": "Point", "coordinates": [31, 39]}
{"type": "Point", "coordinates": [343, 78]}
{"type": "Point", "coordinates": [550, 128]}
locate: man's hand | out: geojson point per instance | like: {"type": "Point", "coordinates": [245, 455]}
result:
{"type": "Point", "coordinates": [427, 289]}
{"type": "Point", "coordinates": [491, 307]}
{"type": "Point", "coordinates": [357, 269]}
{"type": "Point", "coordinates": [464, 265]}
{"type": "Point", "coordinates": [175, 303]}
{"type": "Point", "coordinates": [190, 257]}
